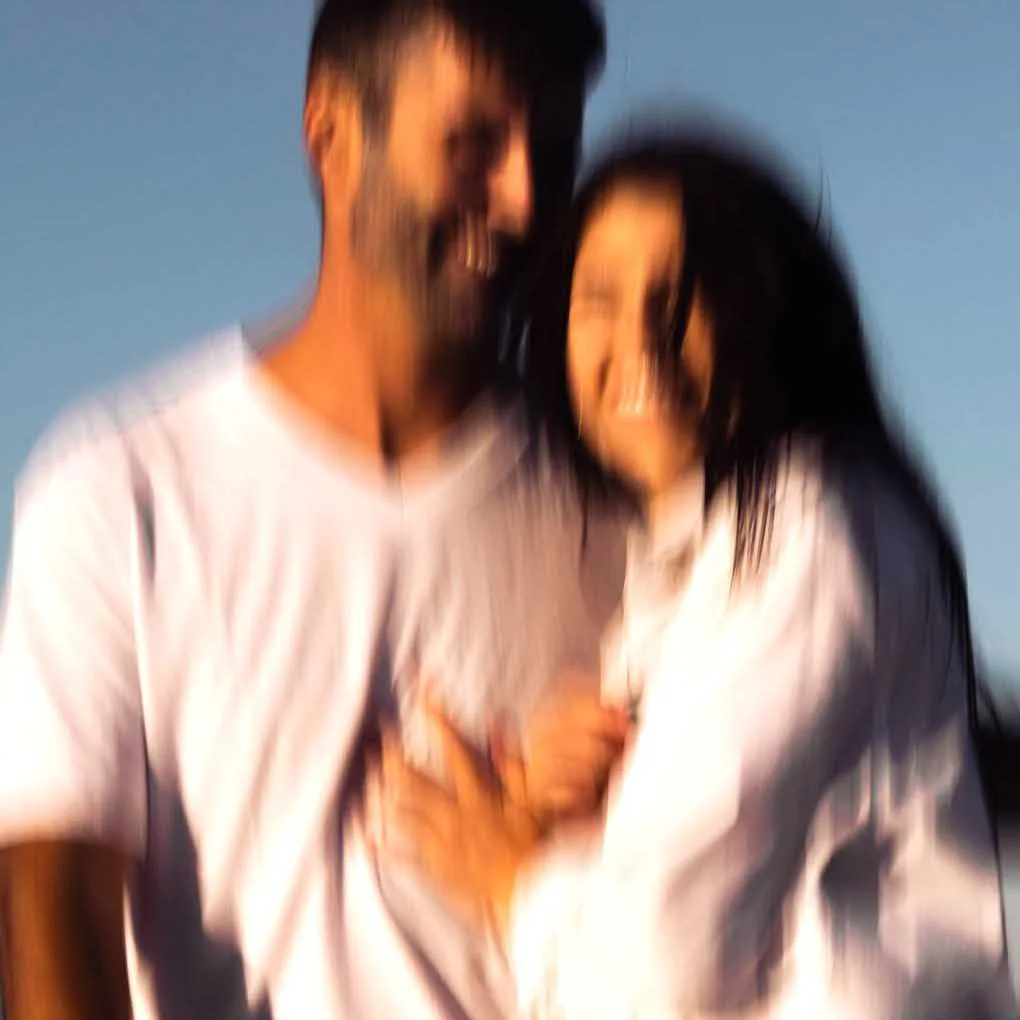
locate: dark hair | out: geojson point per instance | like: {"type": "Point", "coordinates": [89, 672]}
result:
{"type": "Point", "coordinates": [791, 357]}
{"type": "Point", "coordinates": [530, 37]}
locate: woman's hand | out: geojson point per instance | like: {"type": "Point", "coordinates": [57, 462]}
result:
{"type": "Point", "coordinates": [566, 754]}
{"type": "Point", "coordinates": [466, 836]}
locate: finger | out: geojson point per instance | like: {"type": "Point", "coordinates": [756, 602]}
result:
{"type": "Point", "coordinates": [404, 816]}
{"type": "Point", "coordinates": [509, 765]}
{"type": "Point", "coordinates": [405, 822]}
{"type": "Point", "coordinates": [393, 771]}
{"type": "Point", "coordinates": [391, 750]}
{"type": "Point", "coordinates": [503, 744]}
{"type": "Point", "coordinates": [413, 839]}
{"type": "Point", "coordinates": [592, 757]}
{"type": "Point", "coordinates": [571, 802]}
{"type": "Point", "coordinates": [393, 827]}
{"type": "Point", "coordinates": [411, 788]}
{"type": "Point", "coordinates": [560, 730]}
{"type": "Point", "coordinates": [583, 787]}
{"type": "Point", "coordinates": [578, 743]}
{"type": "Point", "coordinates": [412, 804]}
{"type": "Point", "coordinates": [514, 777]}
{"type": "Point", "coordinates": [580, 785]}
{"type": "Point", "coordinates": [399, 850]}
{"type": "Point", "coordinates": [400, 782]}
{"type": "Point", "coordinates": [591, 718]}
{"type": "Point", "coordinates": [569, 773]}
{"type": "Point", "coordinates": [402, 836]}
{"type": "Point", "coordinates": [469, 784]}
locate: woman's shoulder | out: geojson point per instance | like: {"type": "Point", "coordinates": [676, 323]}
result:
{"type": "Point", "coordinates": [850, 498]}
{"type": "Point", "coordinates": [821, 507]}
{"type": "Point", "coordinates": [853, 512]}
{"type": "Point", "coordinates": [802, 502]}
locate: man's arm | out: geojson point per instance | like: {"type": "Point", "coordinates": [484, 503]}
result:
{"type": "Point", "coordinates": [72, 739]}
{"type": "Point", "coordinates": [62, 932]}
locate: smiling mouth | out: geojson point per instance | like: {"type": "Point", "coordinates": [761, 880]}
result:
{"type": "Point", "coordinates": [640, 393]}
{"type": "Point", "coordinates": [476, 248]}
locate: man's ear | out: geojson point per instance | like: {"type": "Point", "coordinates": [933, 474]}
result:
{"type": "Point", "coordinates": [333, 132]}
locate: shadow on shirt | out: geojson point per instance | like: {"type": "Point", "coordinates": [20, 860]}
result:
{"type": "Point", "coordinates": [189, 973]}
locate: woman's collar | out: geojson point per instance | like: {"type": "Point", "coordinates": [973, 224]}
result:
{"type": "Point", "coordinates": [674, 525]}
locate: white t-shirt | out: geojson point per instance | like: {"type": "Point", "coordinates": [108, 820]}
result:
{"type": "Point", "coordinates": [799, 830]}
{"type": "Point", "coordinates": [207, 604]}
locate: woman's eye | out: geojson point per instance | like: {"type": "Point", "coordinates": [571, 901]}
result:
{"type": "Point", "coordinates": [662, 308]}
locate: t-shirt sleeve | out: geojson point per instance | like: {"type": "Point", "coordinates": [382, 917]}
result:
{"type": "Point", "coordinates": [72, 750]}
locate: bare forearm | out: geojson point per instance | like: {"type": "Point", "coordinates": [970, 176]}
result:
{"type": "Point", "coordinates": [62, 933]}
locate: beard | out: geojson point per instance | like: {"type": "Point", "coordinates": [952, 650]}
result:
{"type": "Point", "coordinates": [393, 237]}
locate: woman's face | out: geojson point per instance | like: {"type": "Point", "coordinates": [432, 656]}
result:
{"type": "Point", "coordinates": [623, 296]}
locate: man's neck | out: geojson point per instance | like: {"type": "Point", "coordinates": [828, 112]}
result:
{"type": "Point", "coordinates": [359, 376]}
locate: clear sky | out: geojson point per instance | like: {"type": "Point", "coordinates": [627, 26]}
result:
{"type": "Point", "coordinates": [152, 189]}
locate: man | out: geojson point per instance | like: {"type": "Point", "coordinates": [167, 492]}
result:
{"type": "Point", "coordinates": [216, 592]}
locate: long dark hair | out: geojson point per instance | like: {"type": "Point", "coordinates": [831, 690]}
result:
{"type": "Point", "coordinates": [791, 356]}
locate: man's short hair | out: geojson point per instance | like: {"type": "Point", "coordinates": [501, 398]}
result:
{"type": "Point", "coordinates": [533, 39]}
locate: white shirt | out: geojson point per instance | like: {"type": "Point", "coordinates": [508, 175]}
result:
{"type": "Point", "coordinates": [798, 830]}
{"type": "Point", "coordinates": [207, 605]}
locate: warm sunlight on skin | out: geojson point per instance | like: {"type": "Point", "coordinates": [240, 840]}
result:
{"type": "Point", "coordinates": [624, 293]}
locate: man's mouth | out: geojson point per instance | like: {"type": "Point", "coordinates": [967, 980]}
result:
{"type": "Point", "coordinates": [476, 248]}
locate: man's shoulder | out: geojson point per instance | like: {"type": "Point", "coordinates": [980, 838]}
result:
{"type": "Point", "coordinates": [98, 435]}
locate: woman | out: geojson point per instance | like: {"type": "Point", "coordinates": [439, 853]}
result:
{"type": "Point", "coordinates": [798, 825]}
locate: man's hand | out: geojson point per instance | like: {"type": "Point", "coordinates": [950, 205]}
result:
{"type": "Point", "coordinates": [62, 933]}
{"type": "Point", "coordinates": [567, 752]}
{"type": "Point", "coordinates": [467, 838]}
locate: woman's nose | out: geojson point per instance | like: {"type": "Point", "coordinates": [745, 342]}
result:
{"type": "Point", "coordinates": [633, 337]}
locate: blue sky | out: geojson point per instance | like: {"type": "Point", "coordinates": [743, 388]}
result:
{"type": "Point", "coordinates": [152, 189]}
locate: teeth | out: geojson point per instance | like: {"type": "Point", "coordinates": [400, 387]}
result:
{"type": "Point", "coordinates": [639, 390]}
{"type": "Point", "coordinates": [477, 249]}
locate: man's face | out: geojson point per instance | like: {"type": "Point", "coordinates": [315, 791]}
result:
{"type": "Point", "coordinates": [451, 182]}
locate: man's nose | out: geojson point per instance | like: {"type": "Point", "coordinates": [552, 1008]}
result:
{"type": "Point", "coordinates": [512, 187]}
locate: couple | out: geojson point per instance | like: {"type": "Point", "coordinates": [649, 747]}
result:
{"type": "Point", "coordinates": [227, 584]}
{"type": "Point", "coordinates": [796, 825]}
